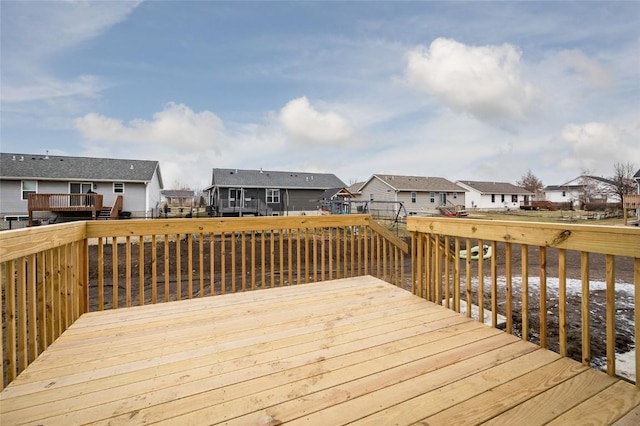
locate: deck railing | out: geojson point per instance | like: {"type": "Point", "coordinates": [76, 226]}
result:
{"type": "Point", "coordinates": [64, 203]}
{"type": "Point", "coordinates": [630, 202]}
{"type": "Point", "coordinates": [53, 274]}
{"type": "Point", "coordinates": [442, 273]}
{"type": "Point", "coordinates": [116, 208]}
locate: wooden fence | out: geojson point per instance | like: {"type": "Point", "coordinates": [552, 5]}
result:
{"type": "Point", "coordinates": [53, 274]}
{"type": "Point", "coordinates": [440, 275]}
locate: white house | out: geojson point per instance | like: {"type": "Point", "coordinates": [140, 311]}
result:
{"type": "Point", "coordinates": [494, 195]}
{"type": "Point", "coordinates": [583, 189]}
{"type": "Point", "coordinates": [135, 183]}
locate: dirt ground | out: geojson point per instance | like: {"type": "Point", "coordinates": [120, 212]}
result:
{"type": "Point", "coordinates": [597, 271]}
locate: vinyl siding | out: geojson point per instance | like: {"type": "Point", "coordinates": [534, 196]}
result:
{"type": "Point", "coordinates": [380, 191]}
{"type": "Point", "coordinates": [11, 196]}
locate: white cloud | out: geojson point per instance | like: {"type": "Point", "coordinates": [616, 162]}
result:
{"type": "Point", "coordinates": [578, 62]}
{"type": "Point", "coordinates": [38, 31]}
{"type": "Point", "coordinates": [482, 81]}
{"type": "Point", "coordinates": [49, 88]}
{"type": "Point", "coordinates": [304, 124]}
{"type": "Point", "coordinates": [176, 126]}
{"type": "Point", "coordinates": [597, 146]}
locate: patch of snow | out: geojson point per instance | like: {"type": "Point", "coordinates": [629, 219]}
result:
{"type": "Point", "coordinates": [625, 296]}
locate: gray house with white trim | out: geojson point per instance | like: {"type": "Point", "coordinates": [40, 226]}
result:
{"type": "Point", "coordinates": [134, 183]}
{"type": "Point", "coordinates": [237, 192]}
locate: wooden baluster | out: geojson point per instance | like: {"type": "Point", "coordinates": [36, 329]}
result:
{"type": "Point", "coordinates": [141, 265]}
{"type": "Point", "coordinates": [562, 301]}
{"type": "Point", "coordinates": [525, 292]}
{"type": "Point", "coordinates": [127, 266]}
{"type": "Point", "coordinates": [543, 296]}
{"type": "Point", "coordinates": [611, 314]}
{"type": "Point", "coordinates": [586, 332]}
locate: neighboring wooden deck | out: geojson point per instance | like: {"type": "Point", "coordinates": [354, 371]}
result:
{"type": "Point", "coordinates": [352, 350]}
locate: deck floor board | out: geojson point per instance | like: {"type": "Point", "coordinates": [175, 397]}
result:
{"type": "Point", "coordinates": [350, 350]}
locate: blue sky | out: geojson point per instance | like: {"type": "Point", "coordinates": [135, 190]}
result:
{"type": "Point", "coordinates": [462, 90]}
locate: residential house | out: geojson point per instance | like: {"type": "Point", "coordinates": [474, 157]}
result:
{"type": "Point", "coordinates": [385, 195]}
{"type": "Point", "coordinates": [354, 189]}
{"type": "Point", "coordinates": [237, 192]}
{"type": "Point", "coordinates": [494, 195]}
{"type": "Point", "coordinates": [129, 186]}
{"type": "Point", "coordinates": [336, 201]}
{"type": "Point", "coordinates": [580, 190]}
{"type": "Point", "coordinates": [177, 198]}
{"type": "Point", "coordinates": [636, 177]}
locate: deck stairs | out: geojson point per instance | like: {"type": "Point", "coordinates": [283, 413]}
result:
{"type": "Point", "coordinates": [105, 214]}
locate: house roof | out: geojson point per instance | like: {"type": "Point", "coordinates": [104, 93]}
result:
{"type": "Point", "coordinates": [637, 175]}
{"type": "Point", "coordinates": [494, 187]}
{"type": "Point", "coordinates": [563, 187]}
{"type": "Point", "coordinates": [582, 178]}
{"type": "Point", "coordinates": [177, 193]}
{"type": "Point", "coordinates": [273, 179]}
{"type": "Point", "coordinates": [355, 188]}
{"type": "Point", "coordinates": [417, 183]}
{"type": "Point", "coordinates": [330, 193]}
{"type": "Point", "coordinates": [55, 167]}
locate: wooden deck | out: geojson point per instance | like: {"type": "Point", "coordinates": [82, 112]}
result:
{"type": "Point", "coordinates": [352, 350]}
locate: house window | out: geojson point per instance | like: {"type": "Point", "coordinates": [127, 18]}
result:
{"type": "Point", "coordinates": [118, 187]}
{"type": "Point", "coordinates": [502, 198]}
{"type": "Point", "coordinates": [493, 198]}
{"type": "Point", "coordinates": [432, 197]}
{"type": "Point", "coordinates": [29, 187]}
{"type": "Point", "coordinates": [371, 197]}
{"type": "Point", "coordinates": [514, 198]}
{"type": "Point", "coordinates": [564, 193]}
{"type": "Point", "coordinates": [273, 196]}
{"type": "Point", "coordinates": [414, 197]}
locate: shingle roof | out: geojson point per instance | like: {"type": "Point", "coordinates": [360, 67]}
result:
{"type": "Point", "coordinates": [563, 187]}
{"type": "Point", "coordinates": [177, 193]}
{"type": "Point", "coordinates": [637, 175]}
{"type": "Point", "coordinates": [54, 167]}
{"type": "Point", "coordinates": [355, 187]}
{"type": "Point", "coordinates": [495, 187]}
{"type": "Point", "coordinates": [419, 183]}
{"type": "Point", "coordinates": [598, 178]}
{"type": "Point", "coordinates": [274, 179]}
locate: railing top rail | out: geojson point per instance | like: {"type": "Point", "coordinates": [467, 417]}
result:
{"type": "Point", "coordinates": [389, 236]}
{"type": "Point", "coordinates": [614, 240]}
{"type": "Point", "coordinates": [235, 224]}
{"type": "Point", "coordinates": [26, 241]}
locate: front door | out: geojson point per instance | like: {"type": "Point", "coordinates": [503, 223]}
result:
{"type": "Point", "coordinates": [79, 188]}
{"type": "Point", "coordinates": [236, 197]}
{"type": "Point", "coordinates": [443, 198]}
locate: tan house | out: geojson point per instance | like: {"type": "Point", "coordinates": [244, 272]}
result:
{"type": "Point", "coordinates": [387, 194]}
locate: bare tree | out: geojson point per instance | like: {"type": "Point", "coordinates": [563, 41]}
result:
{"type": "Point", "coordinates": [589, 192]}
{"type": "Point", "coordinates": [622, 180]}
{"type": "Point", "coordinates": [530, 182]}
